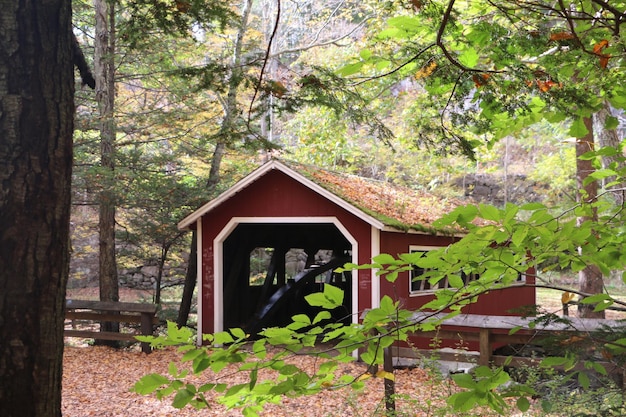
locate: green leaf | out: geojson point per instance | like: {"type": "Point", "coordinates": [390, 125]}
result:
{"type": "Point", "coordinates": [464, 380]}
{"type": "Point", "coordinates": [384, 259]}
{"type": "Point", "coordinates": [150, 383]}
{"type": "Point", "coordinates": [301, 318]}
{"type": "Point", "coordinates": [599, 174]}
{"type": "Point", "coordinates": [469, 58]}
{"type": "Point", "coordinates": [455, 281]}
{"type": "Point", "coordinates": [334, 295]}
{"type": "Point", "coordinates": [321, 316]}
{"type": "Point", "coordinates": [596, 298]}
{"type": "Point", "coordinates": [350, 69]}
{"type": "Point", "coordinates": [222, 338]}
{"type": "Point", "coordinates": [382, 64]}
{"type": "Point", "coordinates": [409, 23]}
{"type": "Point", "coordinates": [206, 387]}
{"type": "Point", "coordinates": [611, 123]}
{"type": "Point", "coordinates": [182, 398]}
{"type": "Point", "coordinates": [519, 235]}
{"type": "Point", "coordinates": [235, 389]}
{"type": "Point", "coordinates": [532, 206]}
{"type": "Point", "coordinates": [238, 333]}
{"type": "Point", "coordinates": [365, 54]}
{"type": "Point", "coordinates": [583, 380]}
{"type": "Point", "coordinates": [547, 406]}
{"type": "Point", "coordinates": [578, 128]}
{"type": "Point", "coordinates": [253, 378]}
{"type": "Point", "coordinates": [489, 212]}
{"type": "Point", "coordinates": [554, 361]}
{"type": "Point", "coordinates": [463, 401]}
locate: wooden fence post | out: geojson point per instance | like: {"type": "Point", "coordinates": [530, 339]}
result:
{"type": "Point", "coordinates": [390, 384]}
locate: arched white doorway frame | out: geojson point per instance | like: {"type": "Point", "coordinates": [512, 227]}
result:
{"type": "Point", "coordinates": [218, 259]}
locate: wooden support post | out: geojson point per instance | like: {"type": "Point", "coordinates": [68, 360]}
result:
{"type": "Point", "coordinates": [390, 385]}
{"type": "Point", "coordinates": [146, 330]}
{"type": "Point", "coordinates": [484, 344]}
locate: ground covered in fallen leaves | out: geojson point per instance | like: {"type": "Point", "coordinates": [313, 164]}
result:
{"type": "Point", "coordinates": [97, 381]}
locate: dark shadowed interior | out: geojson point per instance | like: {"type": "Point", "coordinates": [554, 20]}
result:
{"type": "Point", "coordinates": [270, 267]}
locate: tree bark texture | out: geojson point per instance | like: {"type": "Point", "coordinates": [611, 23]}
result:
{"type": "Point", "coordinates": [230, 106]}
{"type": "Point", "coordinates": [590, 278]}
{"type": "Point", "coordinates": [105, 97]}
{"type": "Point", "coordinates": [609, 138]}
{"type": "Point", "coordinates": [36, 126]}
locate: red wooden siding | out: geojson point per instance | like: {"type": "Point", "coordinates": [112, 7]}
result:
{"type": "Point", "coordinates": [278, 195]}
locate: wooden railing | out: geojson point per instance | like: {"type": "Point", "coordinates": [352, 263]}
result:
{"type": "Point", "coordinates": [496, 330]}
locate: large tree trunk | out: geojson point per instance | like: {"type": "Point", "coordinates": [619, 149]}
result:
{"type": "Point", "coordinates": [36, 126]}
{"type": "Point", "coordinates": [105, 96]}
{"type": "Point", "coordinates": [589, 279]}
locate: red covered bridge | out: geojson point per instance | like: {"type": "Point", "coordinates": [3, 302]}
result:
{"type": "Point", "coordinates": [277, 235]}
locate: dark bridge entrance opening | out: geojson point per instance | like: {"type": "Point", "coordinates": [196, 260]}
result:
{"type": "Point", "coordinates": [270, 267]}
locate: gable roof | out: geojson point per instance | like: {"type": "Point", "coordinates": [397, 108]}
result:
{"type": "Point", "coordinates": [382, 205]}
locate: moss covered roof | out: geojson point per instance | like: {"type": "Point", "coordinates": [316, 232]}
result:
{"type": "Point", "coordinates": [397, 207]}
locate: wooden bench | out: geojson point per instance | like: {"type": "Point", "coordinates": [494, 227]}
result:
{"type": "Point", "coordinates": [108, 311]}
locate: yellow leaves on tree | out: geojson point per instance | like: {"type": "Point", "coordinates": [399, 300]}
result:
{"type": "Point", "coordinates": [426, 70]}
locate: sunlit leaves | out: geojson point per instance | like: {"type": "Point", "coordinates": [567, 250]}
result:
{"type": "Point", "coordinates": [469, 58]}
{"type": "Point", "coordinates": [480, 388]}
{"type": "Point", "coordinates": [331, 297]}
{"type": "Point", "coordinates": [578, 128]}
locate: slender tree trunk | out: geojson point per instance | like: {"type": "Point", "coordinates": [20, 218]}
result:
{"type": "Point", "coordinates": [589, 279]}
{"type": "Point", "coordinates": [105, 96]}
{"type": "Point", "coordinates": [190, 284]}
{"type": "Point", "coordinates": [216, 163]}
{"type": "Point", "coordinates": [36, 126]}
{"type": "Point", "coordinates": [159, 279]}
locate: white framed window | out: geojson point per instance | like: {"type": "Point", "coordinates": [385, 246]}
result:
{"type": "Point", "coordinates": [419, 286]}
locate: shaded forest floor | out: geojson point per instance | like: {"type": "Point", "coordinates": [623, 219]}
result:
{"type": "Point", "coordinates": [97, 382]}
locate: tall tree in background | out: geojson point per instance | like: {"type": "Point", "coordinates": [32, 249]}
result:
{"type": "Point", "coordinates": [247, 93]}
{"type": "Point", "coordinates": [36, 126]}
{"type": "Point", "coordinates": [224, 138]}
{"type": "Point", "coordinates": [104, 66]}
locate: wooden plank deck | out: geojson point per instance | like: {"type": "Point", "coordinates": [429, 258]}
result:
{"type": "Point", "coordinates": [490, 330]}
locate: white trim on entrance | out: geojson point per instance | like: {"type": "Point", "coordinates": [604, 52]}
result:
{"type": "Point", "coordinates": [375, 278]}
{"type": "Point", "coordinates": [262, 170]}
{"type": "Point", "coordinates": [199, 277]}
{"type": "Point", "coordinates": [218, 251]}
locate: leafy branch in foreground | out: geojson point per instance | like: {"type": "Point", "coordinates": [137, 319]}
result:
{"type": "Point", "coordinates": [500, 244]}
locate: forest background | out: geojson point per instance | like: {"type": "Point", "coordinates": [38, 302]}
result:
{"type": "Point", "coordinates": [192, 107]}
{"type": "Point", "coordinates": [190, 94]}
